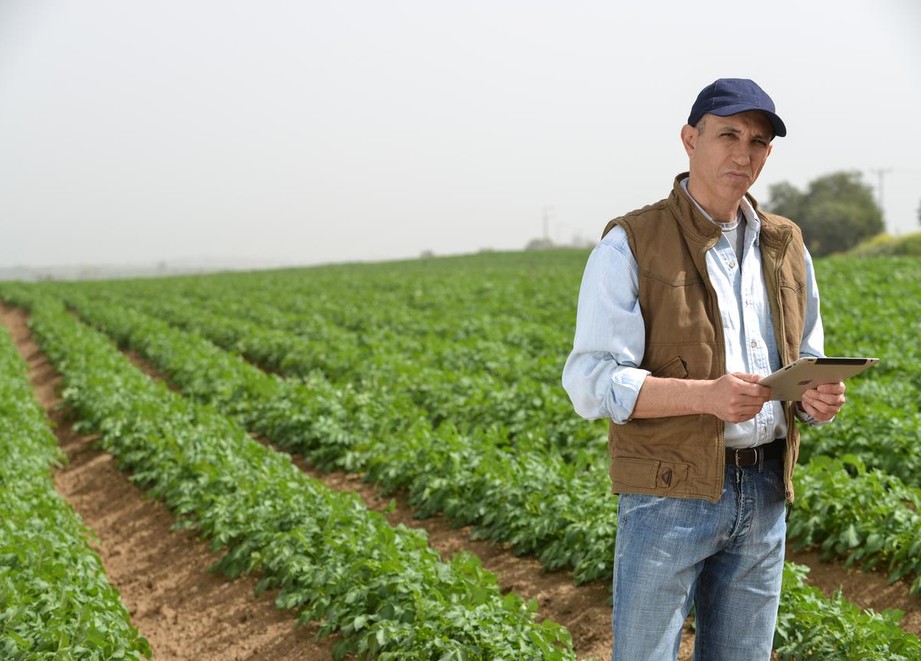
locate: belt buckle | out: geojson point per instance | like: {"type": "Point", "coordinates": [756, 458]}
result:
{"type": "Point", "coordinates": [756, 456]}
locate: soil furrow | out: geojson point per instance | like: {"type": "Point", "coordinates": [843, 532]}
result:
{"type": "Point", "coordinates": [188, 612]}
{"type": "Point", "coordinates": [182, 608]}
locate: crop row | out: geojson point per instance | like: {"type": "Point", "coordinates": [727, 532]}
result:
{"type": "Point", "coordinates": [483, 346]}
{"type": "Point", "coordinates": [866, 517]}
{"type": "Point", "coordinates": [484, 354]}
{"type": "Point", "coordinates": [55, 599]}
{"type": "Point", "coordinates": [810, 626]}
{"type": "Point", "coordinates": [869, 517]}
{"type": "Point", "coordinates": [872, 307]}
{"type": "Point", "coordinates": [480, 385]}
{"type": "Point", "coordinates": [538, 502]}
{"type": "Point", "coordinates": [415, 384]}
{"type": "Point", "coordinates": [382, 588]}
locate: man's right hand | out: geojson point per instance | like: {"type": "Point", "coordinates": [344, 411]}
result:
{"type": "Point", "coordinates": [733, 397]}
{"type": "Point", "coordinates": [737, 397]}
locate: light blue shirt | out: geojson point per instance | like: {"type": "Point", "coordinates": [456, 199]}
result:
{"type": "Point", "coordinates": [602, 373]}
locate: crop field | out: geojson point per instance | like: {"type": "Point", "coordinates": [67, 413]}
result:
{"type": "Point", "coordinates": [378, 461]}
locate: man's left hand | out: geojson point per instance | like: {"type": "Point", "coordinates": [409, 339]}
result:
{"type": "Point", "coordinates": [823, 402]}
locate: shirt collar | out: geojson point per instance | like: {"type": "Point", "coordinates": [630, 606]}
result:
{"type": "Point", "coordinates": [751, 218]}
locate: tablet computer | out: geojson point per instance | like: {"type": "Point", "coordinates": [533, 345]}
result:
{"type": "Point", "coordinates": [789, 383]}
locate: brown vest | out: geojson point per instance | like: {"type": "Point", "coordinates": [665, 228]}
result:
{"type": "Point", "coordinates": [683, 456]}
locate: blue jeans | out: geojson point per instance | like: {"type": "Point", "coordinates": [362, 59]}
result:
{"type": "Point", "coordinates": [725, 558]}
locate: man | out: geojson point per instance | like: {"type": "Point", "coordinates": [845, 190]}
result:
{"type": "Point", "coordinates": [685, 305]}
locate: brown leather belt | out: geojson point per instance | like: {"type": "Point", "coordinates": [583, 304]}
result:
{"type": "Point", "coordinates": [753, 456]}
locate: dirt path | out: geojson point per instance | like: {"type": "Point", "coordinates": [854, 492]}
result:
{"type": "Point", "coordinates": [184, 610]}
{"type": "Point", "coordinates": [584, 610]}
{"type": "Point", "coordinates": [866, 589]}
{"type": "Point", "coordinates": [187, 612]}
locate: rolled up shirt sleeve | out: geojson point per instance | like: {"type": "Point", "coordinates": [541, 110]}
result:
{"type": "Point", "coordinates": [602, 374]}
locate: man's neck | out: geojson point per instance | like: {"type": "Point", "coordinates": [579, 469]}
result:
{"type": "Point", "coordinates": [719, 211]}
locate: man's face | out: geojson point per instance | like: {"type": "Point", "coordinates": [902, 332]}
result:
{"type": "Point", "coordinates": [726, 155]}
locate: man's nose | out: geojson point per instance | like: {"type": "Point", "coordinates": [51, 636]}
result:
{"type": "Point", "coordinates": [742, 154]}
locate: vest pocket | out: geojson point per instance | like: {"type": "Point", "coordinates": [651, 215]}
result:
{"type": "Point", "coordinates": [639, 473]}
{"type": "Point", "coordinates": [676, 368]}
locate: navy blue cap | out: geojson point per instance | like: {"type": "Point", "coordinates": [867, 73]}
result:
{"type": "Point", "coordinates": [730, 96]}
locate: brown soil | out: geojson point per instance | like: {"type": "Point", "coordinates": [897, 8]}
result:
{"type": "Point", "coordinates": [868, 590]}
{"type": "Point", "coordinates": [184, 610]}
{"type": "Point", "coordinates": [188, 612]}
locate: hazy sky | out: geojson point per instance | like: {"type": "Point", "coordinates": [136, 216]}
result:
{"type": "Point", "coordinates": [303, 132]}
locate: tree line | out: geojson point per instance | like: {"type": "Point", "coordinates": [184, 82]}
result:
{"type": "Point", "coordinates": [836, 211]}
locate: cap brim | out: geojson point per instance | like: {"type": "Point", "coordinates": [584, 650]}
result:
{"type": "Point", "coordinates": [776, 122]}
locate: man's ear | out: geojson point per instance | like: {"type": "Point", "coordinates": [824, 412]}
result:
{"type": "Point", "coordinates": [689, 138]}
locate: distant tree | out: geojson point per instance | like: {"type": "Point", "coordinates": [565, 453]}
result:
{"type": "Point", "coordinates": [837, 212]}
{"type": "Point", "coordinates": [919, 213]}
{"type": "Point", "coordinates": [786, 200]}
{"type": "Point", "coordinates": [539, 244]}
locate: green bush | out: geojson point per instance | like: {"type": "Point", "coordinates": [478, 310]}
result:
{"type": "Point", "coordinates": [886, 245]}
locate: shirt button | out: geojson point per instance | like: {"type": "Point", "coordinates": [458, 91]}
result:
{"type": "Point", "coordinates": [754, 343]}
{"type": "Point", "coordinates": [732, 264]}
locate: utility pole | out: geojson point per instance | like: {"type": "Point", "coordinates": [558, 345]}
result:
{"type": "Point", "coordinates": [547, 224]}
{"type": "Point", "coordinates": [881, 173]}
